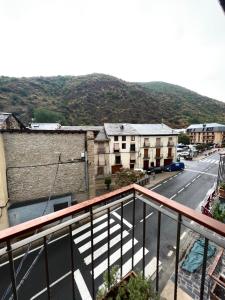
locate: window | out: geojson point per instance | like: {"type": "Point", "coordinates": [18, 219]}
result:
{"type": "Point", "coordinates": [116, 138]}
{"type": "Point", "coordinates": [133, 138]}
{"type": "Point", "coordinates": [117, 160]}
{"type": "Point", "coordinates": [100, 170]}
{"type": "Point", "coordinates": [123, 138]}
{"type": "Point", "coordinates": [123, 145]}
{"type": "Point", "coordinates": [146, 142]}
{"type": "Point", "coordinates": [59, 206]}
{"type": "Point", "coordinates": [116, 147]}
{"type": "Point", "coordinates": [132, 147]}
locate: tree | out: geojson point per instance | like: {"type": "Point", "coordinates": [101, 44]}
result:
{"type": "Point", "coordinates": [43, 115]}
{"type": "Point", "coordinates": [126, 176]}
{"type": "Point", "coordinates": [183, 138]}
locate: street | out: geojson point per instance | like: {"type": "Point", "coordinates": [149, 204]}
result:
{"type": "Point", "coordinates": [188, 187]}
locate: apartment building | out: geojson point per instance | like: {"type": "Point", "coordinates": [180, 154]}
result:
{"type": "Point", "coordinates": [134, 146]}
{"type": "Point", "coordinates": [209, 133]}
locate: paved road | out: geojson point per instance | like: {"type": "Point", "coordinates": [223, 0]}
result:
{"type": "Point", "coordinates": [188, 187]}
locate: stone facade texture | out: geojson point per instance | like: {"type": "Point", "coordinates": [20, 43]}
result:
{"type": "Point", "coordinates": [32, 165]}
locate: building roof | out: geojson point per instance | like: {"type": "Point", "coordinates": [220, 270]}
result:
{"type": "Point", "coordinates": [138, 129]}
{"type": "Point", "coordinates": [212, 126]}
{"type": "Point", "coordinates": [84, 128]}
{"type": "Point", "coordinates": [4, 116]}
{"type": "Point", "coordinates": [101, 136]}
{"type": "Point", "coordinates": [45, 126]}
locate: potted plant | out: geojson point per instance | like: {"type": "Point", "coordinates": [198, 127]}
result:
{"type": "Point", "coordinates": [222, 189]}
{"type": "Point", "coordinates": [218, 212]}
{"type": "Point", "coordinates": [133, 287]}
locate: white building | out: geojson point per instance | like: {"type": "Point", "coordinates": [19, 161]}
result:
{"type": "Point", "coordinates": [122, 145]}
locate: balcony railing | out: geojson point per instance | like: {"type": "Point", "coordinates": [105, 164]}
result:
{"type": "Point", "coordinates": [146, 144]}
{"type": "Point", "coordinates": [158, 145]}
{"type": "Point", "coordinates": [71, 222]}
{"type": "Point", "coordinates": [170, 156]}
{"type": "Point", "coordinates": [158, 156]}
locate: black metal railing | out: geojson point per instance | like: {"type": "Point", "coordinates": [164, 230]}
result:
{"type": "Point", "coordinates": [13, 240]}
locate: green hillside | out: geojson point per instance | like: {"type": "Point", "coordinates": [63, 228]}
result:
{"type": "Point", "coordinates": [98, 98]}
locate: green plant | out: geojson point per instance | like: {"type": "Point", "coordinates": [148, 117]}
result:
{"type": "Point", "coordinates": [126, 176]}
{"type": "Point", "coordinates": [222, 185]}
{"type": "Point", "coordinates": [108, 182]}
{"type": "Point", "coordinates": [133, 287]}
{"type": "Point", "coordinates": [218, 212]}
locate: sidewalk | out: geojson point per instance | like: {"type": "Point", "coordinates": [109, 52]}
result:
{"type": "Point", "coordinates": [158, 178]}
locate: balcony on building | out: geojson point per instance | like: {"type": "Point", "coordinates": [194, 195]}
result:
{"type": "Point", "coordinates": [158, 144]}
{"type": "Point", "coordinates": [158, 156]}
{"type": "Point", "coordinates": [68, 221]}
{"type": "Point", "coordinates": [170, 156]}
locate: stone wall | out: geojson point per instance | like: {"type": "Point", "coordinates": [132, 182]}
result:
{"type": "Point", "coordinates": [32, 165]}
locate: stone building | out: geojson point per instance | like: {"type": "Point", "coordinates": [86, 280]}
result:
{"type": "Point", "coordinates": [209, 133]}
{"type": "Point", "coordinates": [36, 165]}
{"type": "Point", "coordinates": [133, 146]}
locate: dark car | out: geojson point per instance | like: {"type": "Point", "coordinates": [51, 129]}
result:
{"type": "Point", "coordinates": [177, 166]}
{"type": "Point", "coordinates": [155, 170]}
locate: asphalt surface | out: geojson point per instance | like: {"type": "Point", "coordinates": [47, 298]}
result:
{"type": "Point", "coordinates": [188, 187]}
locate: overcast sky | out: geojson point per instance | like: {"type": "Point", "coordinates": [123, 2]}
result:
{"type": "Point", "coordinates": [177, 41]}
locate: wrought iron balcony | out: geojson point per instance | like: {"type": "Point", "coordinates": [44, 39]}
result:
{"type": "Point", "coordinates": [170, 144]}
{"type": "Point", "coordinates": [68, 223]}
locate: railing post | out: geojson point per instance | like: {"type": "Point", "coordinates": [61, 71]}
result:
{"type": "Point", "coordinates": [133, 217]}
{"type": "Point", "coordinates": [72, 260]}
{"type": "Point", "coordinates": [121, 242]}
{"type": "Point", "coordinates": [12, 269]}
{"type": "Point", "coordinates": [204, 268]}
{"type": "Point", "coordinates": [46, 268]}
{"type": "Point", "coordinates": [92, 253]}
{"type": "Point", "coordinates": [158, 249]}
{"type": "Point", "coordinates": [108, 252]}
{"type": "Point", "coordinates": [177, 255]}
{"type": "Point", "coordinates": [144, 230]}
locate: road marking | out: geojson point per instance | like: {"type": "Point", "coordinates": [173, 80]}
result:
{"type": "Point", "coordinates": [87, 225]}
{"type": "Point", "coordinates": [210, 174]}
{"type": "Point", "coordinates": [102, 267]}
{"type": "Point", "coordinates": [187, 185]}
{"type": "Point", "coordinates": [198, 176]}
{"type": "Point", "coordinates": [193, 180]}
{"type": "Point", "coordinates": [127, 267]}
{"type": "Point", "coordinates": [169, 253]}
{"type": "Point", "coordinates": [104, 248]}
{"type": "Point", "coordinates": [176, 175]}
{"type": "Point", "coordinates": [150, 269]}
{"type": "Point", "coordinates": [183, 235]}
{"type": "Point", "coordinates": [173, 196]}
{"type": "Point", "coordinates": [95, 230]}
{"type": "Point", "coordinates": [34, 249]}
{"type": "Point", "coordinates": [99, 238]}
{"type": "Point", "coordinates": [124, 220]}
{"type": "Point", "coordinates": [51, 285]}
{"type": "Point", "coordinates": [149, 215]}
{"type": "Point", "coordinates": [170, 178]}
{"type": "Point", "coordinates": [82, 287]}
{"type": "Point", "coordinates": [180, 190]}
{"type": "Point", "coordinates": [165, 181]}
{"type": "Point", "coordinates": [156, 186]}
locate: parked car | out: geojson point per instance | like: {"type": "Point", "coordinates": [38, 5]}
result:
{"type": "Point", "coordinates": [155, 170]}
{"type": "Point", "coordinates": [177, 166]}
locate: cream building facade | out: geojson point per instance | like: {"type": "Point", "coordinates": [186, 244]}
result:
{"type": "Point", "coordinates": [134, 146]}
{"type": "Point", "coordinates": [209, 133]}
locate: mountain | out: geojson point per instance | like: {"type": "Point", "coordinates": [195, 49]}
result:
{"type": "Point", "coordinates": [98, 98]}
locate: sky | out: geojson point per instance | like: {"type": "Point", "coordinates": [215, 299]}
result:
{"type": "Point", "coordinates": [176, 41]}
